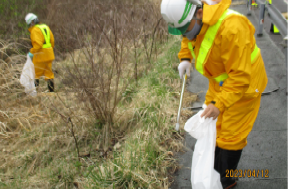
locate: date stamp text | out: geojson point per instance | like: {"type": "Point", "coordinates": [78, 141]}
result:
{"type": "Point", "coordinates": [243, 173]}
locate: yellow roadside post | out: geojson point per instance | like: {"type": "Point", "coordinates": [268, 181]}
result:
{"type": "Point", "coordinates": [254, 3]}
{"type": "Point", "coordinates": [273, 28]}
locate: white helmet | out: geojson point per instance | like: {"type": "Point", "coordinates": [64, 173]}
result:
{"type": "Point", "coordinates": [30, 17]}
{"type": "Point", "coordinates": [178, 14]}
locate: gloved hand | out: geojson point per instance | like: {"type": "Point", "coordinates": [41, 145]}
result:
{"type": "Point", "coordinates": [31, 55]}
{"type": "Point", "coordinates": [185, 65]}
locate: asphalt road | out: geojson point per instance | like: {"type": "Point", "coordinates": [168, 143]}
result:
{"type": "Point", "coordinates": [282, 6]}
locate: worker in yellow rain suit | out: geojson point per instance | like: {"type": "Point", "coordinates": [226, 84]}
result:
{"type": "Point", "coordinates": [224, 48]}
{"type": "Point", "coordinates": [41, 53]}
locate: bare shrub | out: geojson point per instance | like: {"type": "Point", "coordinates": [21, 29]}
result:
{"type": "Point", "coordinates": [111, 37]}
{"type": "Point", "coordinates": [12, 12]}
{"type": "Point", "coordinates": [97, 105]}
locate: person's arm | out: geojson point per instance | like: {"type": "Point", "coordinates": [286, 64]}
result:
{"type": "Point", "coordinates": [209, 96]}
{"type": "Point", "coordinates": [37, 40]}
{"type": "Point", "coordinates": [185, 53]}
{"type": "Point", "coordinates": [185, 58]}
{"type": "Point", "coordinates": [236, 56]}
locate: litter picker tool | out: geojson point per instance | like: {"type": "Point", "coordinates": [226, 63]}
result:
{"type": "Point", "coordinates": [180, 104]}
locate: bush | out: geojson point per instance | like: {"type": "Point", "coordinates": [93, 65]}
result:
{"type": "Point", "coordinates": [13, 12]}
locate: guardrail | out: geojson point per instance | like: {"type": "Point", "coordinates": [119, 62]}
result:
{"type": "Point", "coordinates": [277, 19]}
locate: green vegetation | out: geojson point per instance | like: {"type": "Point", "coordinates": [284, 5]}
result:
{"type": "Point", "coordinates": [13, 12]}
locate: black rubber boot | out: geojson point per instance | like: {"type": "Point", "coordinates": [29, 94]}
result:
{"type": "Point", "coordinates": [225, 162]}
{"type": "Point", "coordinates": [36, 83]}
{"type": "Point", "coordinates": [50, 85]}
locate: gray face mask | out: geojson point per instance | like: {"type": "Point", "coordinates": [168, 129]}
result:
{"type": "Point", "coordinates": [194, 32]}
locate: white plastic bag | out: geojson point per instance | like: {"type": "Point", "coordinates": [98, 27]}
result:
{"type": "Point", "coordinates": [28, 76]}
{"type": "Point", "coordinates": [203, 175]}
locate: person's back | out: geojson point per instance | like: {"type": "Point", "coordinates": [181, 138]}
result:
{"type": "Point", "coordinates": [37, 38]}
{"type": "Point", "coordinates": [230, 53]}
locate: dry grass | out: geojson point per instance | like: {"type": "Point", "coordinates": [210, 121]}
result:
{"type": "Point", "coordinates": [38, 149]}
{"type": "Point", "coordinates": [37, 135]}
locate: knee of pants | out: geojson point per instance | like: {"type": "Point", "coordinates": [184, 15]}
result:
{"type": "Point", "coordinates": [48, 71]}
{"type": "Point", "coordinates": [39, 71]}
{"type": "Point", "coordinates": [226, 160]}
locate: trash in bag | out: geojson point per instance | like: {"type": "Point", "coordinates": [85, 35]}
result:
{"type": "Point", "coordinates": [203, 175]}
{"type": "Point", "coordinates": [27, 77]}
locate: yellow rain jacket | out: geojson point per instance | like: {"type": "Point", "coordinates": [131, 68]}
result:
{"type": "Point", "coordinates": [43, 57]}
{"type": "Point", "coordinates": [37, 39]}
{"type": "Point", "coordinates": [238, 99]}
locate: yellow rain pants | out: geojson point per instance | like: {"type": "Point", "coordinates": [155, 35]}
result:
{"type": "Point", "coordinates": [43, 69]}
